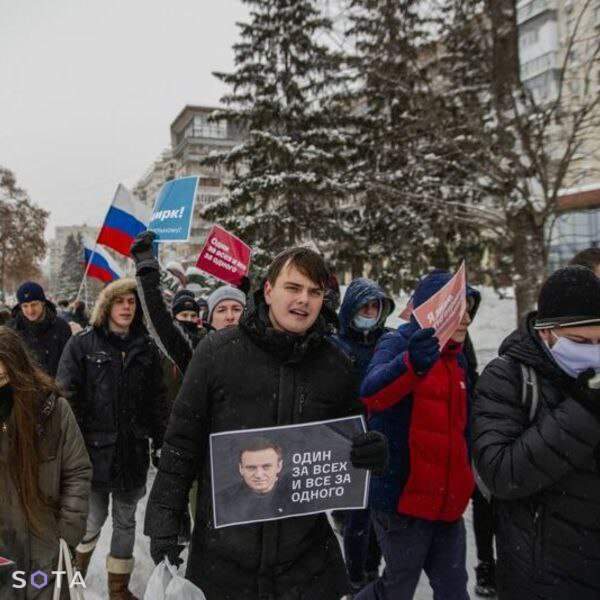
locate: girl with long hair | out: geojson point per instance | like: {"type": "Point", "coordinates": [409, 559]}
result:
{"type": "Point", "coordinates": [45, 471]}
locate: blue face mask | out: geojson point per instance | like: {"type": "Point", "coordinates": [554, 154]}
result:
{"type": "Point", "coordinates": [364, 323]}
{"type": "Point", "coordinates": [574, 357]}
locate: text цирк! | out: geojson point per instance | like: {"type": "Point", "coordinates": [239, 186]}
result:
{"type": "Point", "coordinates": [161, 215]}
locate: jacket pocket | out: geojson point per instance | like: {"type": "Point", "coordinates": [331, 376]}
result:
{"type": "Point", "coordinates": [101, 447]}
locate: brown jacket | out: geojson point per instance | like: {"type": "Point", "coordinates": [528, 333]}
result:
{"type": "Point", "coordinates": [65, 476]}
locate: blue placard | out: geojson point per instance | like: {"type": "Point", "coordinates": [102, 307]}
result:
{"type": "Point", "coordinates": [173, 210]}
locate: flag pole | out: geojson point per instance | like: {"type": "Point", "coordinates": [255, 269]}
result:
{"type": "Point", "coordinates": [87, 266]}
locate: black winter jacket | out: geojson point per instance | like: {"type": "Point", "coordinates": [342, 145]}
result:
{"type": "Point", "coordinates": [119, 400]}
{"type": "Point", "coordinates": [543, 475]}
{"type": "Point", "coordinates": [174, 341]}
{"type": "Point", "coordinates": [245, 377]}
{"type": "Point", "coordinates": [47, 339]}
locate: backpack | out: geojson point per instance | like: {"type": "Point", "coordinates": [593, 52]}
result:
{"type": "Point", "coordinates": [530, 397]}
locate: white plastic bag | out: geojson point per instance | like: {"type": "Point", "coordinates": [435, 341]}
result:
{"type": "Point", "coordinates": [66, 565]}
{"type": "Point", "coordinates": [166, 584]}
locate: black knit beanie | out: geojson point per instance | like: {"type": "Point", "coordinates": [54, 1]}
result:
{"type": "Point", "coordinates": [569, 297]}
{"type": "Point", "coordinates": [184, 300]}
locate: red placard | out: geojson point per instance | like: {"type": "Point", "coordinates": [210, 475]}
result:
{"type": "Point", "coordinates": [224, 256]}
{"type": "Point", "coordinates": [445, 309]}
{"type": "Point", "coordinates": [5, 561]}
{"type": "Point", "coordinates": [407, 310]}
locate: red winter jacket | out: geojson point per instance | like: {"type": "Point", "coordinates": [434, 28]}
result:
{"type": "Point", "coordinates": [426, 421]}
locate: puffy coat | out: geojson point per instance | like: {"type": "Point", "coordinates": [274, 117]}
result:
{"type": "Point", "coordinates": [118, 396]}
{"type": "Point", "coordinates": [247, 377]}
{"type": "Point", "coordinates": [47, 339]}
{"type": "Point", "coordinates": [64, 478]}
{"type": "Point", "coordinates": [358, 345]}
{"type": "Point", "coordinates": [425, 419]}
{"type": "Point", "coordinates": [543, 475]}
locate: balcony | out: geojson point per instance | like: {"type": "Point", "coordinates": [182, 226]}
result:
{"type": "Point", "coordinates": [540, 64]}
{"type": "Point", "coordinates": [529, 10]}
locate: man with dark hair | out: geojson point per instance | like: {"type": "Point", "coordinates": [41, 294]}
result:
{"type": "Point", "coordinates": [590, 258]}
{"type": "Point", "coordinates": [277, 367]}
{"type": "Point", "coordinates": [259, 494]}
{"type": "Point", "coordinates": [536, 434]}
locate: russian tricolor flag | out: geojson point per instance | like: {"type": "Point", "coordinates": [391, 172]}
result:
{"type": "Point", "coordinates": [126, 218]}
{"type": "Point", "coordinates": [99, 264]}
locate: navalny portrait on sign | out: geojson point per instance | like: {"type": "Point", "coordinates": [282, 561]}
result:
{"type": "Point", "coordinates": [261, 491]}
{"type": "Point", "coordinates": [280, 472]}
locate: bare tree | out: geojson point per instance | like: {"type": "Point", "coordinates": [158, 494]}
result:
{"type": "Point", "coordinates": [502, 153]}
{"type": "Point", "coordinates": [22, 225]}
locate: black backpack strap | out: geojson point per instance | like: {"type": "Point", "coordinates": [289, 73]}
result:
{"type": "Point", "coordinates": [530, 390]}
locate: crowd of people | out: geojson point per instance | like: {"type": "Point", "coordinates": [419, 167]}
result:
{"type": "Point", "coordinates": [87, 405]}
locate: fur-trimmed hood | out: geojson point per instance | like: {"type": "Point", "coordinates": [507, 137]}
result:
{"type": "Point", "coordinates": [106, 299]}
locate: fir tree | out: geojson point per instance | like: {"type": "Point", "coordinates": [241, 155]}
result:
{"type": "Point", "coordinates": [409, 221]}
{"type": "Point", "coordinates": [72, 268]}
{"type": "Point", "coordinates": [286, 176]}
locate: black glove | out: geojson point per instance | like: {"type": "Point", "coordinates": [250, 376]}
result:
{"type": "Point", "coordinates": [423, 350]}
{"type": "Point", "coordinates": [141, 251]}
{"type": "Point", "coordinates": [370, 451]}
{"type": "Point", "coordinates": [161, 547]}
{"type": "Point", "coordinates": [588, 397]}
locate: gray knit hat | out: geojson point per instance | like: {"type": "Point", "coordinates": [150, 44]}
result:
{"type": "Point", "coordinates": [225, 292]}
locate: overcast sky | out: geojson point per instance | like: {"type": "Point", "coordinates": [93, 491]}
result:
{"type": "Point", "coordinates": [88, 89]}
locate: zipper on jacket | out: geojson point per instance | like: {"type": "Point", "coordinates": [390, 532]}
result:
{"type": "Point", "coordinates": [302, 399]}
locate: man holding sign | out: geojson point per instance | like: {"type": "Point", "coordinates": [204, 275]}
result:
{"type": "Point", "coordinates": [416, 393]}
{"type": "Point", "coordinates": [276, 368]}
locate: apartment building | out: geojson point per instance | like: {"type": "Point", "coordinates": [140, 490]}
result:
{"type": "Point", "coordinates": [56, 248]}
{"type": "Point", "coordinates": [558, 43]}
{"type": "Point", "coordinates": [193, 137]}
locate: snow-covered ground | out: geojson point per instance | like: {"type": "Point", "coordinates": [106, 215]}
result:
{"type": "Point", "coordinates": [494, 321]}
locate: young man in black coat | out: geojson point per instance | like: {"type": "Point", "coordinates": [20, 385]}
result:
{"type": "Point", "coordinates": [542, 464]}
{"type": "Point", "coordinates": [276, 368]}
{"type": "Point", "coordinates": [42, 330]}
{"type": "Point", "coordinates": [112, 376]}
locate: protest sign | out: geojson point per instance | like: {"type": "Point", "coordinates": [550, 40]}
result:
{"type": "Point", "coordinates": [407, 310]}
{"type": "Point", "coordinates": [444, 310]}
{"type": "Point", "coordinates": [173, 210]}
{"type": "Point", "coordinates": [289, 471]}
{"type": "Point", "coordinates": [224, 256]}
{"type": "Point", "coordinates": [4, 562]}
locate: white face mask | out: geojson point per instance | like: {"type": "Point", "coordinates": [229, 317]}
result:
{"type": "Point", "coordinates": [365, 323]}
{"type": "Point", "coordinates": [574, 357]}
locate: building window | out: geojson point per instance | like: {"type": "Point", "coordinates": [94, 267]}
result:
{"type": "Point", "coordinates": [574, 86]}
{"type": "Point", "coordinates": [200, 127]}
{"type": "Point", "coordinates": [529, 37]}
{"type": "Point", "coordinates": [573, 56]}
{"type": "Point", "coordinates": [572, 232]}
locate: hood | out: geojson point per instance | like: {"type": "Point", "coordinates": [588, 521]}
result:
{"type": "Point", "coordinates": [433, 283]}
{"type": "Point", "coordinates": [524, 345]}
{"type": "Point", "coordinates": [359, 292]}
{"type": "Point", "coordinates": [106, 299]}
